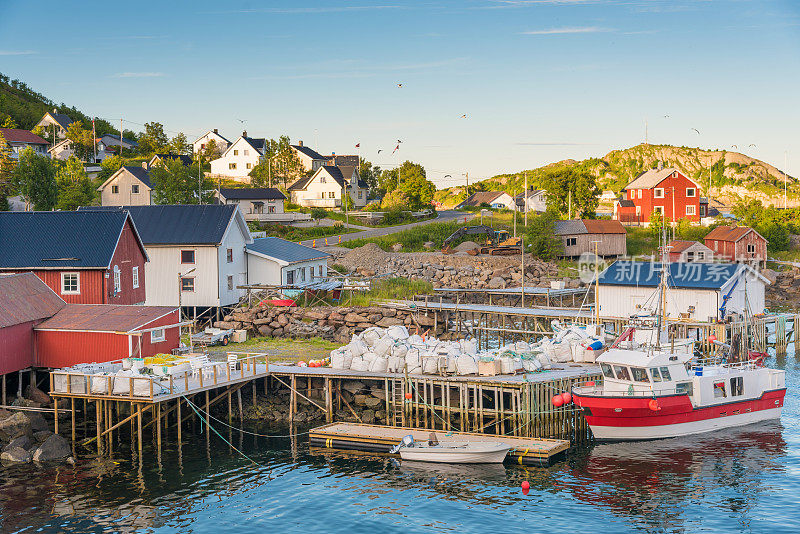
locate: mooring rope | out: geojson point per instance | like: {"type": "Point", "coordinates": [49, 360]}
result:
{"type": "Point", "coordinates": [196, 408]}
{"type": "Point", "coordinates": [191, 405]}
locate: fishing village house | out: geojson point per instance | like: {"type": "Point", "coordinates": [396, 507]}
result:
{"type": "Point", "coordinates": [110, 143]}
{"type": "Point", "coordinates": [326, 187]}
{"type": "Point", "coordinates": [201, 142]}
{"type": "Point", "coordinates": [494, 199]}
{"type": "Point", "coordinates": [581, 236]}
{"type": "Point", "coordinates": [85, 257]}
{"type": "Point", "coordinates": [663, 190]}
{"type": "Point", "coordinates": [185, 160]}
{"type": "Point", "coordinates": [739, 244]}
{"type": "Point", "coordinates": [197, 254]}
{"type": "Point", "coordinates": [696, 291]}
{"type": "Point", "coordinates": [275, 261]}
{"type": "Point", "coordinates": [239, 158]}
{"type": "Point", "coordinates": [531, 200]}
{"type": "Point", "coordinates": [310, 158]}
{"type": "Point", "coordinates": [690, 251]}
{"type": "Point", "coordinates": [263, 204]}
{"type": "Point", "coordinates": [129, 186]}
{"type": "Point", "coordinates": [18, 140]}
{"type": "Point", "coordinates": [56, 124]}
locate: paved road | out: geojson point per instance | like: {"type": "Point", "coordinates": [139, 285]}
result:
{"type": "Point", "coordinates": [443, 216]}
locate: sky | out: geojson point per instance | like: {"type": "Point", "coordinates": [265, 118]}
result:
{"type": "Point", "coordinates": [488, 86]}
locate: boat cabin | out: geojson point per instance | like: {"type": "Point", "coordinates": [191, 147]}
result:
{"type": "Point", "coordinates": [631, 372]}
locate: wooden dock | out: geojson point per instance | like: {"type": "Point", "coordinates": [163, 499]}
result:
{"type": "Point", "coordinates": [380, 439]}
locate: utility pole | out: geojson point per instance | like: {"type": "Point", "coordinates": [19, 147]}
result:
{"type": "Point", "coordinates": [785, 179]}
{"type": "Point", "coordinates": [119, 152]}
{"type": "Point", "coordinates": [94, 143]}
{"type": "Point", "coordinates": [199, 184]}
{"type": "Point", "coordinates": [570, 205]}
{"type": "Point", "coordinates": [526, 200]}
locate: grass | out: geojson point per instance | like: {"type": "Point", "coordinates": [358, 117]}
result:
{"type": "Point", "coordinates": [391, 289]}
{"type": "Point", "coordinates": [641, 242]}
{"type": "Point", "coordinates": [295, 233]}
{"type": "Point", "coordinates": [280, 349]}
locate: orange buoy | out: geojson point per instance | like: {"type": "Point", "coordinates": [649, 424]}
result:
{"type": "Point", "coordinates": [653, 405]}
{"type": "Point", "coordinates": [408, 396]}
{"type": "Point", "coordinates": [557, 400]}
{"type": "Point", "coordinates": [712, 338]}
{"type": "Point", "coordinates": [566, 397]}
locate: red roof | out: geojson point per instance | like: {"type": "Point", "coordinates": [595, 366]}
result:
{"type": "Point", "coordinates": [104, 317]}
{"type": "Point", "coordinates": [24, 297]}
{"type": "Point", "coordinates": [603, 226]}
{"type": "Point", "coordinates": [730, 233]}
{"type": "Point", "coordinates": [15, 135]}
{"type": "Point", "coordinates": [680, 245]}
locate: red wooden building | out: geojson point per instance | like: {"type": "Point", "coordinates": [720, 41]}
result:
{"type": "Point", "coordinates": [739, 244]}
{"type": "Point", "coordinates": [666, 191]}
{"type": "Point", "coordinates": [86, 257]}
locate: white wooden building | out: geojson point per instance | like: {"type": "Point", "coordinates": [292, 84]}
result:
{"type": "Point", "coordinates": [325, 188]}
{"type": "Point", "coordinates": [54, 122]}
{"type": "Point", "coordinates": [697, 291]}
{"type": "Point", "coordinates": [264, 204]}
{"type": "Point", "coordinates": [129, 186]}
{"type": "Point", "coordinates": [239, 158]}
{"type": "Point", "coordinates": [535, 199]}
{"type": "Point", "coordinates": [201, 142]}
{"type": "Point", "coordinates": [275, 261]}
{"type": "Point", "coordinates": [310, 158]}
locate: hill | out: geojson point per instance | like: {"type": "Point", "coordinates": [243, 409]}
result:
{"type": "Point", "coordinates": [25, 107]}
{"type": "Point", "coordinates": [734, 176]}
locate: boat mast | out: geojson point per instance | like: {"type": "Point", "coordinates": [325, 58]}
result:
{"type": "Point", "coordinates": [662, 301]}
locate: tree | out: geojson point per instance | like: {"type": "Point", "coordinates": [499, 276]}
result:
{"type": "Point", "coordinates": [540, 236]}
{"type": "Point", "coordinates": [286, 166]}
{"type": "Point", "coordinates": [395, 200]}
{"type": "Point", "coordinates": [153, 140]}
{"type": "Point", "coordinates": [175, 183]}
{"type": "Point", "coordinates": [34, 177]}
{"type": "Point", "coordinates": [75, 188]}
{"type": "Point", "coordinates": [6, 170]}
{"type": "Point", "coordinates": [9, 123]}
{"type": "Point", "coordinates": [567, 186]}
{"type": "Point", "coordinates": [109, 166]}
{"type": "Point", "coordinates": [211, 151]}
{"type": "Point", "coordinates": [387, 182]}
{"type": "Point", "coordinates": [179, 144]}
{"type": "Point", "coordinates": [370, 174]}
{"type": "Point", "coordinates": [318, 213]}
{"type": "Point", "coordinates": [82, 141]}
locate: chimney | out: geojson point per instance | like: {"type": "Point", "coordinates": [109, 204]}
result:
{"type": "Point", "coordinates": [144, 165]}
{"type": "Point", "coordinates": [300, 143]}
{"type": "Point", "coordinates": [216, 131]}
{"type": "Point", "coordinates": [244, 133]}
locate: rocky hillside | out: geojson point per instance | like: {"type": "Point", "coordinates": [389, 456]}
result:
{"type": "Point", "coordinates": [734, 175]}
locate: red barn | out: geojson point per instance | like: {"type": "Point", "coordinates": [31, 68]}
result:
{"type": "Point", "coordinates": [85, 333]}
{"type": "Point", "coordinates": [86, 257]}
{"type": "Point", "coordinates": [666, 191]}
{"type": "Point", "coordinates": [739, 244]}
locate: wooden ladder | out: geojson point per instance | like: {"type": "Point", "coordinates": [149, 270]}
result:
{"type": "Point", "coordinates": [398, 403]}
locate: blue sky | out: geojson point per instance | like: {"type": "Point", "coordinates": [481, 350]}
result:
{"type": "Point", "coordinates": [539, 80]}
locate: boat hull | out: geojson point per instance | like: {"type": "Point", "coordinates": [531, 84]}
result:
{"type": "Point", "coordinates": [486, 454]}
{"type": "Point", "coordinates": [632, 419]}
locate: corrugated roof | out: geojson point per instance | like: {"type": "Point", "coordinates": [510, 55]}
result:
{"type": "Point", "coordinates": [570, 227]}
{"type": "Point", "coordinates": [59, 239]}
{"type": "Point", "coordinates": [104, 317]}
{"type": "Point", "coordinates": [650, 178]}
{"type": "Point", "coordinates": [24, 297]}
{"type": "Point", "coordinates": [729, 233]}
{"type": "Point", "coordinates": [115, 139]}
{"type": "Point", "coordinates": [252, 193]}
{"type": "Point", "coordinates": [625, 203]}
{"type": "Point", "coordinates": [16, 135]}
{"type": "Point", "coordinates": [482, 197]}
{"type": "Point", "coordinates": [680, 245]}
{"type": "Point", "coordinates": [184, 159]}
{"type": "Point", "coordinates": [187, 224]}
{"type": "Point", "coordinates": [310, 152]}
{"type": "Point", "coordinates": [283, 250]}
{"type": "Point", "coordinates": [142, 174]}
{"type": "Point", "coordinates": [62, 120]}
{"type": "Point", "coordinates": [682, 275]}
{"type": "Point", "coordinates": [343, 161]}
{"type": "Point", "coordinates": [603, 226]}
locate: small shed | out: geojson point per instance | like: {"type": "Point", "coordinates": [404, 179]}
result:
{"type": "Point", "coordinates": [697, 291]}
{"type": "Point", "coordinates": [690, 251]}
{"type": "Point", "coordinates": [578, 237]}
{"type": "Point", "coordinates": [256, 203]}
{"type": "Point", "coordinates": [740, 244]}
{"type": "Point", "coordinates": [275, 261]}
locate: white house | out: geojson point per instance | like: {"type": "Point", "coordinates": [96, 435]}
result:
{"type": "Point", "coordinates": [129, 186]}
{"type": "Point", "coordinates": [275, 261]}
{"type": "Point", "coordinates": [696, 291]}
{"type": "Point", "coordinates": [18, 140]}
{"type": "Point", "coordinates": [239, 158]}
{"type": "Point", "coordinates": [494, 199]}
{"type": "Point", "coordinates": [536, 200]}
{"type": "Point", "coordinates": [197, 254]}
{"type": "Point", "coordinates": [202, 141]}
{"type": "Point", "coordinates": [325, 188]}
{"type": "Point", "coordinates": [310, 158]}
{"type": "Point", "coordinates": [263, 204]}
{"type": "Point", "coordinates": [58, 120]}
{"type": "Point", "coordinates": [107, 142]}
{"type": "Point", "coordinates": [62, 150]}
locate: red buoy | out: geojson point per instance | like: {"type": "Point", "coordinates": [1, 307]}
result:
{"type": "Point", "coordinates": [566, 397]}
{"type": "Point", "coordinates": [408, 396]}
{"type": "Point", "coordinates": [301, 363]}
{"type": "Point", "coordinates": [712, 338]}
{"type": "Point", "coordinates": [526, 486]}
{"type": "Point", "coordinates": [653, 405]}
{"type": "Point", "coordinates": [557, 400]}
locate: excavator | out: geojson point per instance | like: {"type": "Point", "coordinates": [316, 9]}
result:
{"type": "Point", "coordinates": [498, 242]}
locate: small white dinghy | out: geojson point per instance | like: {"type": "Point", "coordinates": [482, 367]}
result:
{"type": "Point", "coordinates": [454, 452]}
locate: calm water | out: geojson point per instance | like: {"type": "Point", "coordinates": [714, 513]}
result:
{"type": "Point", "coordinates": [745, 480]}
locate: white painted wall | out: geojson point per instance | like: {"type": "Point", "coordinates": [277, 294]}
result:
{"type": "Point", "coordinates": [240, 154]}
{"type": "Point", "coordinates": [125, 197]}
{"type": "Point", "coordinates": [235, 240]}
{"type": "Point", "coordinates": [221, 143]}
{"type": "Point", "coordinates": [261, 270]}
{"type": "Point", "coordinates": [327, 193]}
{"type": "Point", "coordinates": [247, 207]}
{"type": "Point", "coordinates": [165, 265]}
{"type": "Point", "coordinates": [300, 267]}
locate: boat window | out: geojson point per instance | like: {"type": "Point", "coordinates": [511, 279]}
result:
{"type": "Point", "coordinates": [737, 386]}
{"type": "Point", "coordinates": [665, 374]}
{"type": "Point", "coordinates": [622, 372]}
{"type": "Point", "coordinates": [639, 374]}
{"type": "Point", "coordinates": [719, 390]}
{"type": "Point", "coordinates": [684, 388]}
{"type": "Point", "coordinates": [607, 372]}
{"type": "Point", "coordinates": [656, 374]}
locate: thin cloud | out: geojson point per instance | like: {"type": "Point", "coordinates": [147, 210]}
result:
{"type": "Point", "coordinates": [302, 10]}
{"type": "Point", "coordinates": [568, 30]}
{"type": "Point", "coordinates": [17, 52]}
{"type": "Point", "coordinates": [554, 144]}
{"type": "Point", "coordinates": [138, 75]}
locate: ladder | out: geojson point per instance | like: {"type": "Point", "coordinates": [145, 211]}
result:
{"type": "Point", "coordinates": [397, 417]}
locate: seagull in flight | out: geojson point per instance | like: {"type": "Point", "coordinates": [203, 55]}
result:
{"type": "Point", "coordinates": [399, 85]}
{"type": "Point", "coordinates": [696, 130]}
{"type": "Point", "coordinates": [751, 144]}
{"type": "Point", "coordinates": [379, 151]}
{"type": "Point", "coordinates": [464, 116]}
{"type": "Point", "coordinates": [735, 146]}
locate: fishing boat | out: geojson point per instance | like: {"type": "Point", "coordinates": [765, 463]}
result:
{"type": "Point", "coordinates": [453, 452]}
{"type": "Point", "coordinates": [655, 390]}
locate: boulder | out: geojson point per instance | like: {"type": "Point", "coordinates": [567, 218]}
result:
{"type": "Point", "coordinates": [425, 321]}
{"type": "Point", "coordinates": [397, 247]}
{"type": "Point", "coordinates": [38, 424]}
{"type": "Point", "coordinates": [262, 321]}
{"type": "Point", "coordinates": [41, 436]}
{"type": "Point", "coordinates": [315, 315]}
{"type": "Point", "coordinates": [14, 426]}
{"type": "Point", "coordinates": [23, 442]}
{"type": "Point", "coordinates": [354, 318]}
{"type": "Point", "coordinates": [389, 312]}
{"type": "Point", "coordinates": [497, 283]}
{"type": "Point", "coordinates": [225, 325]}
{"type": "Point", "coordinates": [335, 317]}
{"type": "Point", "coordinates": [15, 455]}
{"type": "Point", "coordinates": [361, 399]}
{"type": "Point", "coordinates": [389, 321]}
{"type": "Point", "coordinates": [353, 386]}
{"type": "Point", "coordinates": [54, 448]}
{"type": "Point", "coordinates": [37, 395]}
{"type": "Point", "coordinates": [265, 330]}
{"type": "Point", "coordinates": [372, 402]}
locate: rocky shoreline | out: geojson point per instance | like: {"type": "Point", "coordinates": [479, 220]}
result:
{"type": "Point", "coordinates": [25, 436]}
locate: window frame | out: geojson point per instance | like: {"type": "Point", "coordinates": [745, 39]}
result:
{"type": "Point", "coordinates": [184, 287]}
{"type": "Point", "coordinates": [639, 195]}
{"type": "Point", "coordinates": [230, 282]}
{"type": "Point", "coordinates": [751, 246]}
{"type": "Point", "coordinates": [194, 257]}
{"type": "Point", "coordinates": [117, 280]}
{"type": "Point", "coordinates": [656, 192]}
{"type": "Point", "coordinates": [690, 209]}
{"type": "Point", "coordinates": [114, 189]}
{"type": "Point", "coordinates": [643, 377]}
{"type": "Point", "coordinates": [232, 166]}
{"type": "Point", "coordinates": [156, 338]}
{"type": "Point", "coordinates": [607, 370]}
{"type": "Point", "coordinates": [693, 190]}
{"type": "Point", "coordinates": [135, 277]}
{"type": "Point", "coordinates": [737, 386]}
{"type": "Point", "coordinates": [620, 370]}
{"type": "Point", "coordinates": [77, 291]}
{"type": "Point", "coordinates": [572, 242]}
{"type": "Point", "coordinates": [290, 277]}
{"type": "Point", "coordinates": [665, 374]}
{"type": "Point", "coordinates": [134, 189]}
{"type": "Point", "coordinates": [229, 255]}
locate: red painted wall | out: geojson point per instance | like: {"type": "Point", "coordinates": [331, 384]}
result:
{"type": "Point", "coordinates": [648, 201]}
{"type": "Point", "coordinates": [127, 256]}
{"type": "Point", "coordinates": [16, 347]}
{"type": "Point", "coordinates": [737, 251]}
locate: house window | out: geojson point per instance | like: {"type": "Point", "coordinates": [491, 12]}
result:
{"type": "Point", "coordinates": [135, 189]}
{"type": "Point", "coordinates": [229, 255]}
{"type": "Point", "coordinates": [640, 193]}
{"type": "Point", "coordinates": [70, 283]}
{"type": "Point", "coordinates": [322, 179]}
{"type": "Point", "coordinates": [659, 193]}
{"type": "Point", "coordinates": [690, 210]}
{"type": "Point", "coordinates": [751, 249]}
{"type": "Point", "coordinates": [659, 210]}
{"type": "Point", "coordinates": [246, 152]}
{"type": "Point", "coordinates": [157, 336]}
{"type": "Point", "coordinates": [230, 283]}
{"type": "Point", "coordinates": [289, 277]}
{"type": "Point", "coordinates": [632, 194]}
{"type": "Point", "coordinates": [249, 165]}
{"type": "Point", "coordinates": [271, 209]}
{"type": "Point", "coordinates": [572, 241]}
{"type": "Point", "coordinates": [135, 277]}
{"type": "Point", "coordinates": [701, 256]}
{"type": "Point", "coordinates": [114, 189]}
{"type": "Point", "coordinates": [360, 194]}
{"type": "Point", "coordinates": [690, 256]}
{"type": "Point", "coordinates": [187, 256]}
{"type": "Point", "coordinates": [302, 274]}
{"type": "Point", "coordinates": [702, 211]}
{"type": "Point", "coordinates": [235, 152]}
{"type": "Point", "coordinates": [117, 280]}
{"type": "Point", "coordinates": [691, 191]}
{"type": "Point", "coordinates": [187, 285]}
{"type": "Point", "coordinates": [320, 270]}
{"type": "Point", "coordinates": [231, 166]}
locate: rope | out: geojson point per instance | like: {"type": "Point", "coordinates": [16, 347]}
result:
{"type": "Point", "coordinates": [196, 408]}
{"type": "Point", "coordinates": [191, 405]}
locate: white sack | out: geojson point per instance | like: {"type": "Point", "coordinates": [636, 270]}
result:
{"type": "Point", "coordinates": [383, 346]}
{"type": "Point", "coordinates": [466, 365]}
{"type": "Point", "coordinates": [429, 365]}
{"type": "Point", "coordinates": [394, 364]}
{"type": "Point", "coordinates": [397, 332]}
{"type": "Point", "coordinates": [358, 364]}
{"type": "Point", "coordinates": [378, 365]}
{"type": "Point", "coordinates": [357, 347]}
{"type": "Point", "coordinates": [371, 335]}
{"type": "Point", "coordinates": [400, 350]}
{"type": "Point", "coordinates": [469, 346]}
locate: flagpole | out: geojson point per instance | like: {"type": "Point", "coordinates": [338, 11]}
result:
{"type": "Point", "coordinates": [94, 142]}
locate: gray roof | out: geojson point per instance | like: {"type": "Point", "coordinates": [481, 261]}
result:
{"type": "Point", "coordinates": [283, 250]}
{"type": "Point", "coordinates": [59, 239]}
{"type": "Point", "coordinates": [310, 152]}
{"type": "Point", "coordinates": [343, 161]}
{"type": "Point", "coordinates": [62, 120]}
{"type": "Point", "coordinates": [252, 193]}
{"type": "Point", "coordinates": [184, 159]}
{"type": "Point", "coordinates": [681, 274]}
{"type": "Point", "coordinates": [570, 227]}
{"type": "Point", "coordinates": [481, 197]}
{"type": "Point", "coordinates": [335, 172]}
{"type": "Point", "coordinates": [24, 298]}
{"type": "Point", "coordinates": [257, 143]}
{"type": "Point", "coordinates": [650, 179]}
{"type": "Point", "coordinates": [114, 137]}
{"type": "Point", "coordinates": [188, 224]}
{"type": "Point", "coordinates": [142, 174]}
{"type": "Point", "coordinates": [348, 171]}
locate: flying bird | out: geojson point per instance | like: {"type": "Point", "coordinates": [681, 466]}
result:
{"type": "Point", "coordinates": [379, 151]}
{"type": "Point", "coordinates": [399, 85]}
{"type": "Point", "coordinates": [735, 146]}
{"type": "Point", "coordinates": [399, 141]}
{"type": "Point", "coordinates": [751, 144]}
{"type": "Point", "coordinates": [464, 116]}
{"type": "Point", "coordinates": [666, 116]}
{"type": "Point", "coordinates": [696, 130]}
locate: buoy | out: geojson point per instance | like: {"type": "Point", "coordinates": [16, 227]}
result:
{"type": "Point", "coordinates": [653, 405]}
{"type": "Point", "coordinates": [590, 384]}
{"type": "Point", "coordinates": [712, 338]}
{"type": "Point", "coordinates": [408, 396]}
{"type": "Point", "coordinates": [557, 400]}
{"type": "Point", "coordinates": [301, 363]}
{"type": "Point", "coordinates": [526, 486]}
{"type": "Point", "coordinates": [566, 397]}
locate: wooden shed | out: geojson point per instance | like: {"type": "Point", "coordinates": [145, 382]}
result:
{"type": "Point", "coordinates": [579, 236]}
{"type": "Point", "coordinates": [740, 244]}
{"type": "Point", "coordinates": [690, 251]}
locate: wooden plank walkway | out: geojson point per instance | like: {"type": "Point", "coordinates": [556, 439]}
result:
{"type": "Point", "coordinates": [380, 439]}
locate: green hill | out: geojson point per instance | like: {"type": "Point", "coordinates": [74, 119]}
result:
{"type": "Point", "coordinates": [734, 176]}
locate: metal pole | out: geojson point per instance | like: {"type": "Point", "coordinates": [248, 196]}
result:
{"type": "Point", "coordinates": [526, 199]}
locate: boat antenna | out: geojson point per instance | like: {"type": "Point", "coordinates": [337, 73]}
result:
{"type": "Point", "coordinates": [596, 284]}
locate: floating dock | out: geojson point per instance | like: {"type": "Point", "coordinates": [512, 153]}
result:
{"type": "Point", "coordinates": [380, 439]}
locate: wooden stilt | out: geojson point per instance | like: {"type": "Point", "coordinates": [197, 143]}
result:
{"type": "Point", "coordinates": [98, 416]}
{"type": "Point", "coordinates": [239, 402]}
{"type": "Point", "coordinates": [208, 426]}
{"type": "Point", "coordinates": [55, 410]}
{"type": "Point", "coordinates": [5, 394]}
{"type": "Point", "coordinates": [328, 401]}
{"type": "Point", "coordinates": [230, 407]}
{"type": "Point", "coordinates": [179, 423]}
{"type": "Point", "coordinates": [139, 429]}
{"type": "Point", "coordinates": [158, 429]}
{"type": "Point", "coordinates": [293, 398]}
{"type": "Point", "coordinates": [72, 415]}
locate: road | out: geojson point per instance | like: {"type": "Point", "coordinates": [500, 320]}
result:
{"type": "Point", "coordinates": [443, 216]}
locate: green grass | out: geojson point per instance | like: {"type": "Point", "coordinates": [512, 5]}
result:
{"type": "Point", "coordinates": [391, 289]}
{"type": "Point", "coordinates": [294, 233]}
{"type": "Point", "coordinates": [280, 349]}
{"type": "Point", "coordinates": [641, 242]}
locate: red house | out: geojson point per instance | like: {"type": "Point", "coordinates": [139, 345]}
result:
{"type": "Point", "coordinates": [667, 191]}
{"type": "Point", "coordinates": [740, 244]}
{"type": "Point", "coordinates": [86, 257]}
